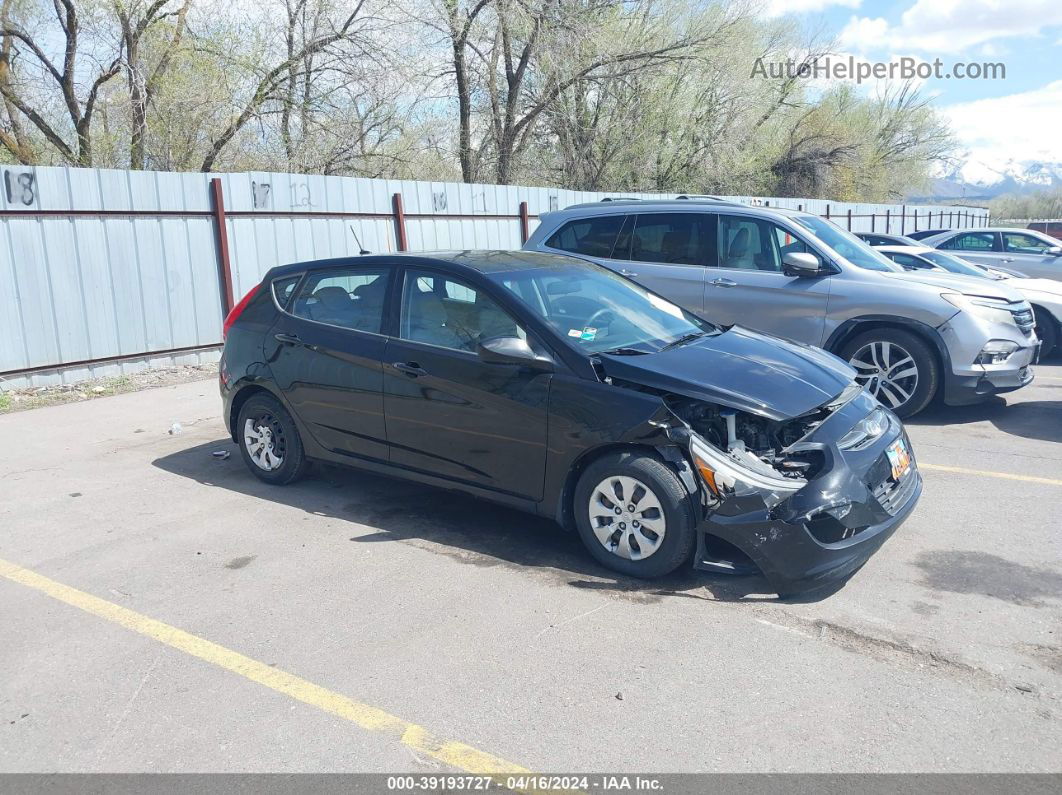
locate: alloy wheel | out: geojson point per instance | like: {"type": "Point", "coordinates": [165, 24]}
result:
{"type": "Point", "coordinates": [887, 370]}
{"type": "Point", "coordinates": [627, 518]}
{"type": "Point", "coordinates": [264, 438]}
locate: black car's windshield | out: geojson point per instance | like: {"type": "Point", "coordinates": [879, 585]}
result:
{"type": "Point", "coordinates": [601, 311]}
{"type": "Point", "coordinates": [846, 244]}
{"type": "Point", "coordinates": [954, 264]}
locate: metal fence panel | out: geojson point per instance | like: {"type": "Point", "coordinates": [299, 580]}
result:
{"type": "Point", "coordinates": [104, 271]}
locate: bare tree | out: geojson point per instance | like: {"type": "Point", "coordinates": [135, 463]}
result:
{"type": "Point", "coordinates": [135, 20]}
{"type": "Point", "coordinates": [79, 104]}
{"type": "Point", "coordinates": [272, 80]}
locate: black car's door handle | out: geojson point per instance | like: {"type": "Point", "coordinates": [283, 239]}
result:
{"type": "Point", "coordinates": [288, 339]}
{"type": "Point", "coordinates": [723, 282]}
{"type": "Point", "coordinates": [627, 273]}
{"type": "Point", "coordinates": [412, 369]}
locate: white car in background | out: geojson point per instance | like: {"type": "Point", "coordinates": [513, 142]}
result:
{"type": "Point", "coordinates": [1045, 295]}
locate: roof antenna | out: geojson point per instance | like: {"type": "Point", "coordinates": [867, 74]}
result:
{"type": "Point", "coordinates": [363, 250]}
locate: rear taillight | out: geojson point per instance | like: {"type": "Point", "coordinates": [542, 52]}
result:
{"type": "Point", "coordinates": [237, 310]}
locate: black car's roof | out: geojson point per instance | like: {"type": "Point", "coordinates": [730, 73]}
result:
{"type": "Point", "coordinates": [484, 261]}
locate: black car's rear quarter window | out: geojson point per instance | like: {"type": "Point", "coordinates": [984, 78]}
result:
{"type": "Point", "coordinates": [283, 289]}
{"type": "Point", "coordinates": [594, 237]}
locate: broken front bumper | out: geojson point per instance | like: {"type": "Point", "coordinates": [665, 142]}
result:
{"type": "Point", "coordinates": [829, 528]}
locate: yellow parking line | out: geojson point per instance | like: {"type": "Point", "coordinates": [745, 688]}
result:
{"type": "Point", "coordinates": [449, 752]}
{"type": "Point", "coordinates": [988, 474]}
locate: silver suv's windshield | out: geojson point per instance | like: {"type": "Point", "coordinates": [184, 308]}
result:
{"type": "Point", "coordinates": [601, 311]}
{"type": "Point", "coordinates": [846, 244]}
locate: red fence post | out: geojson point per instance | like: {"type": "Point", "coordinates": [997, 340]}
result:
{"type": "Point", "coordinates": [525, 229]}
{"type": "Point", "coordinates": [225, 264]}
{"type": "Point", "coordinates": [400, 222]}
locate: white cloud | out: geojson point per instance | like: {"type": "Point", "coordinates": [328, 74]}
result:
{"type": "Point", "coordinates": [777, 8]}
{"type": "Point", "coordinates": [1017, 127]}
{"type": "Point", "coordinates": [948, 26]}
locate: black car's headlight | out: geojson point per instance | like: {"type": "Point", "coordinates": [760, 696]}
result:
{"type": "Point", "coordinates": [739, 472]}
{"type": "Point", "coordinates": [866, 430]}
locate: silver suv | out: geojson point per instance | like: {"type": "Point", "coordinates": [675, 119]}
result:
{"type": "Point", "coordinates": [798, 276]}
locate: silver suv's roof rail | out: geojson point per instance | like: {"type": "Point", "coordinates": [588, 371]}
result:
{"type": "Point", "coordinates": [683, 199]}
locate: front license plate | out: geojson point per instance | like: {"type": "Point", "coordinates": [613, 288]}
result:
{"type": "Point", "coordinates": [899, 458]}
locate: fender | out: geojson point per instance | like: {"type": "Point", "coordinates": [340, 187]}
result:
{"type": "Point", "coordinates": [855, 325]}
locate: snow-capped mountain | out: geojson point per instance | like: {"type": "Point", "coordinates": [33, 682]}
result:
{"type": "Point", "coordinates": [980, 179]}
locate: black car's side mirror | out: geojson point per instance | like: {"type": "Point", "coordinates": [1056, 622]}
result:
{"type": "Point", "coordinates": [512, 350]}
{"type": "Point", "coordinates": [797, 263]}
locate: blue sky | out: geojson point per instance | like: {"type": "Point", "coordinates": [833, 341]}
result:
{"type": "Point", "coordinates": [1017, 118]}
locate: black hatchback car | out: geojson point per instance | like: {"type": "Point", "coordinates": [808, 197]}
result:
{"type": "Point", "coordinates": [553, 385]}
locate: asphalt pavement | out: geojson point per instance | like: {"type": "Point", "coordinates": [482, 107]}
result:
{"type": "Point", "coordinates": [162, 610]}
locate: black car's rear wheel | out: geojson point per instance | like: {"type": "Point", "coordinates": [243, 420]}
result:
{"type": "Point", "coordinates": [896, 367]}
{"type": "Point", "coordinates": [269, 441]}
{"type": "Point", "coordinates": [634, 515]}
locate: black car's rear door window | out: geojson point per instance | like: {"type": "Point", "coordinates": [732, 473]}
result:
{"type": "Point", "coordinates": [352, 299]}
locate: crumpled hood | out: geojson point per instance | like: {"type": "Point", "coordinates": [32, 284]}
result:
{"type": "Point", "coordinates": [742, 369]}
{"type": "Point", "coordinates": [970, 285]}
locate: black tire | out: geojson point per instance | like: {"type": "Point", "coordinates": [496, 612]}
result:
{"type": "Point", "coordinates": [679, 538]}
{"type": "Point", "coordinates": [266, 411]}
{"type": "Point", "coordinates": [1047, 331]}
{"type": "Point", "coordinates": [926, 381]}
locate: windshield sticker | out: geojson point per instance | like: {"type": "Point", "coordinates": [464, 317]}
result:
{"type": "Point", "coordinates": [574, 332]}
{"type": "Point", "coordinates": [588, 334]}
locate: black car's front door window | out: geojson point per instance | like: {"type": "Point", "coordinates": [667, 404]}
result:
{"type": "Point", "coordinates": [443, 311]}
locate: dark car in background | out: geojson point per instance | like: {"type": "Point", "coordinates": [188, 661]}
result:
{"type": "Point", "coordinates": [553, 385]}
{"type": "Point", "coordinates": [881, 239]}
{"type": "Point", "coordinates": [924, 233]}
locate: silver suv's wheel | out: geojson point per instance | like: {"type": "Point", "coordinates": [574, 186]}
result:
{"type": "Point", "coordinates": [898, 367]}
{"type": "Point", "coordinates": [887, 370]}
{"type": "Point", "coordinates": [627, 518]}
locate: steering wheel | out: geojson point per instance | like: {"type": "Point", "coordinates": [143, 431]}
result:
{"type": "Point", "coordinates": [599, 313]}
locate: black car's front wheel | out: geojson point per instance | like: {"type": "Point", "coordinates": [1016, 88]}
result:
{"type": "Point", "coordinates": [634, 515]}
{"type": "Point", "coordinates": [896, 367]}
{"type": "Point", "coordinates": [269, 441]}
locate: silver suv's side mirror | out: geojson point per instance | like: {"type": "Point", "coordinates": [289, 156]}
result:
{"type": "Point", "coordinates": [1054, 251]}
{"type": "Point", "coordinates": [801, 264]}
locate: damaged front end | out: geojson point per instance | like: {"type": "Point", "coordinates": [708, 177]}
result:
{"type": "Point", "coordinates": [806, 499]}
